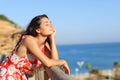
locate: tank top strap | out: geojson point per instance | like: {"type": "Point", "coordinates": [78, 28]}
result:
{"type": "Point", "coordinates": [23, 37]}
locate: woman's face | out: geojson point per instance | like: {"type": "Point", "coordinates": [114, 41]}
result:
{"type": "Point", "coordinates": [46, 28]}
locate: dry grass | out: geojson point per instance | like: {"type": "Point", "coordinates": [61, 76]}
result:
{"type": "Point", "coordinates": [6, 42]}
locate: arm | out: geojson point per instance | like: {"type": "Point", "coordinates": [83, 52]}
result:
{"type": "Point", "coordinates": [35, 50]}
{"type": "Point", "coordinates": [54, 52]}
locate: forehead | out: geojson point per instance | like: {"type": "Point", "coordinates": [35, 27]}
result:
{"type": "Point", "coordinates": [44, 19]}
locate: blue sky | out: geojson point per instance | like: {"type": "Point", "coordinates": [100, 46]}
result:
{"type": "Point", "coordinates": [76, 21]}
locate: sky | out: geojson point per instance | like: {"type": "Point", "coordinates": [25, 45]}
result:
{"type": "Point", "coordinates": [76, 21]}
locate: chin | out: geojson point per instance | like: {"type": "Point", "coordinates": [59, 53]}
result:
{"type": "Point", "coordinates": [50, 33]}
{"type": "Point", "coordinates": [47, 35]}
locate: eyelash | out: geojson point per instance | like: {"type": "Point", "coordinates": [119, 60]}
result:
{"type": "Point", "coordinates": [47, 24]}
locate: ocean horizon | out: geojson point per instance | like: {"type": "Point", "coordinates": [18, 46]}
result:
{"type": "Point", "coordinates": [99, 55]}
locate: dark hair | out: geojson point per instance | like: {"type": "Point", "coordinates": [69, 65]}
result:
{"type": "Point", "coordinates": [33, 25]}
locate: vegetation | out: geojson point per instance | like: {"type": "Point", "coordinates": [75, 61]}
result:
{"type": "Point", "coordinates": [88, 66]}
{"type": "Point", "coordinates": [96, 74]}
{"type": "Point", "coordinates": [3, 17]}
{"type": "Point", "coordinates": [116, 64]}
{"type": "Point", "coordinates": [95, 71]}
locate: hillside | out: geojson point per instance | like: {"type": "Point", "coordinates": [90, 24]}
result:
{"type": "Point", "coordinates": [7, 29]}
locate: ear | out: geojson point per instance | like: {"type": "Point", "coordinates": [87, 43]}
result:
{"type": "Point", "coordinates": [38, 30]}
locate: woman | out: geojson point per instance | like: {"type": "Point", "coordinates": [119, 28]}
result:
{"type": "Point", "coordinates": [36, 47]}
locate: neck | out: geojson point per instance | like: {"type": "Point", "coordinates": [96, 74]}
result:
{"type": "Point", "coordinates": [41, 40]}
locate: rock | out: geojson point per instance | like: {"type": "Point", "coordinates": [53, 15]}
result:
{"type": "Point", "coordinates": [7, 29]}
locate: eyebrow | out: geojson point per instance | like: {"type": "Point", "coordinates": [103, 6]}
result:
{"type": "Point", "coordinates": [47, 22]}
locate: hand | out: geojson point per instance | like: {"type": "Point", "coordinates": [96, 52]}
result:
{"type": "Point", "coordinates": [65, 68]}
{"type": "Point", "coordinates": [53, 34]}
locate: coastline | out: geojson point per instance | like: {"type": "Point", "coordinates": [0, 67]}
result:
{"type": "Point", "coordinates": [83, 76]}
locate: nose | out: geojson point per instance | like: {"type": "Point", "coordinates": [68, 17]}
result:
{"type": "Point", "coordinates": [51, 26]}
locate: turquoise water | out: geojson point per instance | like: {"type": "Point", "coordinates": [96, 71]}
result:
{"type": "Point", "coordinates": [100, 56]}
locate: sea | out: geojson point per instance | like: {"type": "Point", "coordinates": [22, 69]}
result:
{"type": "Point", "coordinates": [98, 55]}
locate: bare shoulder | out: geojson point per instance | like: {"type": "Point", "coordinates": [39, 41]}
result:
{"type": "Point", "coordinates": [29, 39]}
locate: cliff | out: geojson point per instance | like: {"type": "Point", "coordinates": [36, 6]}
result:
{"type": "Point", "coordinates": [7, 29]}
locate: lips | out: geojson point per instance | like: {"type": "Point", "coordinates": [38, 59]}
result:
{"type": "Point", "coordinates": [51, 29]}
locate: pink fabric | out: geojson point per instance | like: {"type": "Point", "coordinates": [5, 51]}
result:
{"type": "Point", "coordinates": [16, 68]}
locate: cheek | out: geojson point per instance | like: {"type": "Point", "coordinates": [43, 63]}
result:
{"type": "Point", "coordinates": [46, 32]}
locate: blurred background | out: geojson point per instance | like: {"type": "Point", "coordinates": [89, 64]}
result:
{"type": "Point", "coordinates": [88, 31]}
